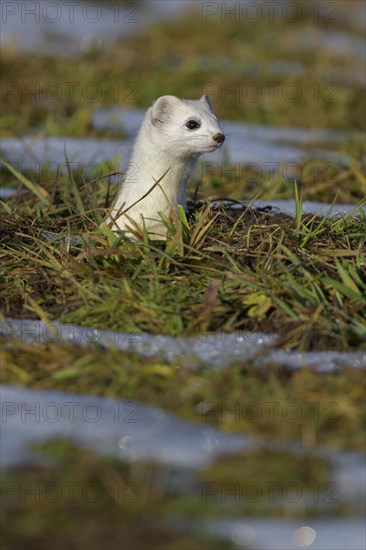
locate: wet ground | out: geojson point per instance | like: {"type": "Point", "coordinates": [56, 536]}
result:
{"type": "Point", "coordinates": [143, 433]}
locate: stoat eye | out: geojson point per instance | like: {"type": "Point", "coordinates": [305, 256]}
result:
{"type": "Point", "coordinates": [192, 124]}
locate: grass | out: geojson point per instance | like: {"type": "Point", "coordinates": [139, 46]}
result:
{"type": "Point", "coordinates": [241, 59]}
{"type": "Point", "coordinates": [110, 505]}
{"type": "Point", "coordinates": [329, 403]}
{"type": "Point", "coordinates": [134, 503]}
{"type": "Point", "coordinates": [106, 493]}
{"type": "Point", "coordinates": [127, 494]}
{"type": "Point", "coordinates": [218, 271]}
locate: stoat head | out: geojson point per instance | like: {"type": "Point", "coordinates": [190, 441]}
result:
{"type": "Point", "coordinates": [183, 127]}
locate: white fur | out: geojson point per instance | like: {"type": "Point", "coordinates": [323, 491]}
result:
{"type": "Point", "coordinates": [164, 145]}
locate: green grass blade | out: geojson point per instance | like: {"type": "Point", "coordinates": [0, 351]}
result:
{"type": "Point", "coordinates": [36, 189]}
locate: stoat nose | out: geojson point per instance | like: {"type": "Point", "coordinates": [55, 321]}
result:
{"type": "Point", "coordinates": [219, 138]}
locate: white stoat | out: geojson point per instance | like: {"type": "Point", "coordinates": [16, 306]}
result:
{"type": "Point", "coordinates": [173, 134]}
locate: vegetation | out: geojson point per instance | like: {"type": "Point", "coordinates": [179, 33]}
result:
{"type": "Point", "coordinates": [225, 270]}
{"type": "Point", "coordinates": [272, 71]}
{"type": "Point", "coordinates": [303, 278]}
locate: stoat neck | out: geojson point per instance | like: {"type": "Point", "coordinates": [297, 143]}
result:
{"type": "Point", "coordinates": [148, 166]}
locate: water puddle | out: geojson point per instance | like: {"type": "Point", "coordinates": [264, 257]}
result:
{"type": "Point", "coordinates": [275, 534]}
{"type": "Point", "coordinates": [212, 350]}
{"type": "Point", "coordinates": [264, 147]}
{"type": "Point", "coordinates": [289, 207]}
{"type": "Point", "coordinates": [76, 28]}
{"type": "Point", "coordinates": [130, 431]}
{"type": "Point", "coordinates": [72, 29]}
{"type": "Point", "coordinates": [50, 154]}
{"type": "Point", "coordinates": [125, 429]}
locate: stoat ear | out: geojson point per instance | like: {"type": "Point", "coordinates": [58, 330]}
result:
{"type": "Point", "coordinates": [206, 101]}
{"type": "Point", "coordinates": [162, 108]}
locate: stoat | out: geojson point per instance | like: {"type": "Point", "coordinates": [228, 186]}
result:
{"type": "Point", "coordinates": [173, 134]}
